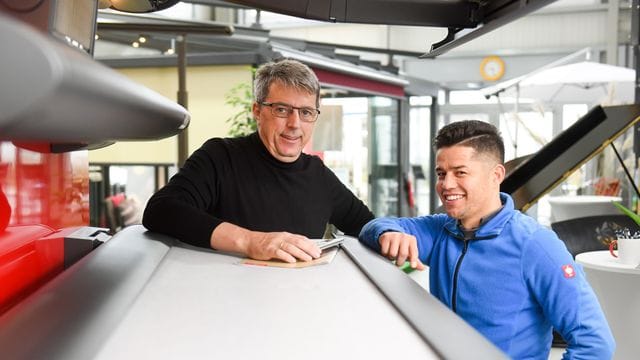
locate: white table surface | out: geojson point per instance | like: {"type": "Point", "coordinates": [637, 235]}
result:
{"type": "Point", "coordinates": [202, 305]}
{"type": "Point", "coordinates": [617, 287]}
{"type": "Point", "coordinates": [146, 296]}
{"type": "Point", "coordinates": [604, 261]}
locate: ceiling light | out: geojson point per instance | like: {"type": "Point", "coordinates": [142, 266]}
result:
{"type": "Point", "coordinates": [140, 6]}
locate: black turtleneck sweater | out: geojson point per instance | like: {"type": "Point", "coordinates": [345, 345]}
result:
{"type": "Point", "coordinates": [237, 180]}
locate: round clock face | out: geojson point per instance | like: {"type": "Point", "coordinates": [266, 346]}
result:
{"type": "Point", "coordinates": [492, 68]}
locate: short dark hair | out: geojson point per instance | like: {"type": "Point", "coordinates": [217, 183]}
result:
{"type": "Point", "coordinates": [478, 135]}
{"type": "Point", "coordinates": [290, 73]}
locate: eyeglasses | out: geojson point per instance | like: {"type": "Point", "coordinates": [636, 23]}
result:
{"type": "Point", "coordinates": [306, 114]}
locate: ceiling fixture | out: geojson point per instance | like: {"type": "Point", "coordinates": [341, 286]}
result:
{"type": "Point", "coordinates": [139, 6]}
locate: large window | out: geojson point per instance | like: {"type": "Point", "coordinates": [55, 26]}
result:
{"type": "Point", "coordinates": [525, 133]}
{"type": "Point", "coordinates": [383, 149]}
{"type": "Point", "coordinates": [347, 157]}
{"type": "Point", "coordinates": [365, 158]}
{"type": "Point", "coordinates": [119, 192]}
{"type": "Point", "coordinates": [420, 148]}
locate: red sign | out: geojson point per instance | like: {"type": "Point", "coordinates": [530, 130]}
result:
{"type": "Point", "coordinates": [568, 271]}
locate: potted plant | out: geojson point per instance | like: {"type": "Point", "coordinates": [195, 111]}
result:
{"type": "Point", "coordinates": [635, 217]}
{"type": "Point", "coordinates": [242, 122]}
{"type": "Point", "coordinates": [627, 240]}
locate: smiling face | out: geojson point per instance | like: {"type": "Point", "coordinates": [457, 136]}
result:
{"type": "Point", "coordinates": [284, 138]}
{"type": "Point", "coordinates": [468, 183]}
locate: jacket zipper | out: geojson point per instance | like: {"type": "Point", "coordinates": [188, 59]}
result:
{"type": "Point", "coordinates": [455, 275]}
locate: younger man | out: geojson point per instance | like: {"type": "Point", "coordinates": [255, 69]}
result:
{"type": "Point", "coordinates": [505, 274]}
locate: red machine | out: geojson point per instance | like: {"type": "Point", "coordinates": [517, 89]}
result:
{"type": "Point", "coordinates": [55, 103]}
{"type": "Point", "coordinates": [41, 193]}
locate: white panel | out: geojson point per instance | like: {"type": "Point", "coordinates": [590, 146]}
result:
{"type": "Point", "coordinates": [548, 31]}
{"type": "Point", "coordinates": [348, 34]}
{"type": "Point", "coordinates": [249, 312]}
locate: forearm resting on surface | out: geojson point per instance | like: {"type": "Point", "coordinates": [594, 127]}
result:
{"type": "Point", "coordinates": [263, 245]}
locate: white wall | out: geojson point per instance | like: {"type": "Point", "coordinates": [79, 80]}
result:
{"type": "Point", "coordinates": [206, 87]}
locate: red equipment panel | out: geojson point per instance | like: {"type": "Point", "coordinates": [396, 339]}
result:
{"type": "Point", "coordinates": [40, 193]}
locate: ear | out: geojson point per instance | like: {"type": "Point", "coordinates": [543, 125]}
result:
{"type": "Point", "coordinates": [255, 109]}
{"type": "Point", "coordinates": [499, 172]}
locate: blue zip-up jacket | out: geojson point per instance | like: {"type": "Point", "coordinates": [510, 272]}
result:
{"type": "Point", "coordinates": [513, 282]}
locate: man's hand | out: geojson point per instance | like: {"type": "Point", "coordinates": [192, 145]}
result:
{"type": "Point", "coordinates": [401, 247]}
{"type": "Point", "coordinates": [264, 245]}
{"type": "Point", "coordinates": [282, 245]}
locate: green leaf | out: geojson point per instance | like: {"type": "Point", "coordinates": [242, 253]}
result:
{"type": "Point", "coordinates": [241, 97]}
{"type": "Point", "coordinates": [635, 217]}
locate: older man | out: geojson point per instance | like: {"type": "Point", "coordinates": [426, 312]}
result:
{"type": "Point", "coordinates": [259, 195]}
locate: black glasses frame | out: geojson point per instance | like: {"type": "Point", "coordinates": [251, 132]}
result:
{"type": "Point", "coordinates": [290, 109]}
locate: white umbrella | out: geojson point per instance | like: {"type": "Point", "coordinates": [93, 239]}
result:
{"type": "Point", "coordinates": [583, 82]}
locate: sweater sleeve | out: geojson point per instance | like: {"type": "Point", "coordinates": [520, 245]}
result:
{"type": "Point", "coordinates": [561, 288]}
{"type": "Point", "coordinates": [424, 228]}
{"type": "Point", "coordinates": [179, 209]}
{"type": "Point", "coordinates": [373, 229]}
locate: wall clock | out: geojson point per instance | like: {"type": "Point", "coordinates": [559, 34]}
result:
{"type": "Point", "coordinates": [492, 68]}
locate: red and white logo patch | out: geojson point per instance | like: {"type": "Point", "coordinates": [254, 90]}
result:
{"type": "Point", "coordinates": [568, 271]}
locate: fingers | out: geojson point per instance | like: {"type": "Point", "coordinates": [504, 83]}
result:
{"type": "Point", "coordinates": [304, 250]}
{"type": "Point", "coordinates": [400, 247]}
{"type": "Point", "coordinates": [403, 252]}
{"type": "Point", "coordinates": [303, 245]}
{"type": "Point", "coordinates": [414, 258]}
{"type": "Point", "coordinates": [284, 255]}
{"type": "Point", "coordinates": [291, 248]}
{"type": "Point", "coordinates": [390, 243]}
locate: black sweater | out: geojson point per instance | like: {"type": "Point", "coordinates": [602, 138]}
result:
{"type": "Point", "coordinates": [237, 180]}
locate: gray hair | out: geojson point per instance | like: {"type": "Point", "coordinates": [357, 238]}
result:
{"type": "Point", "coordinates": [288, 72]}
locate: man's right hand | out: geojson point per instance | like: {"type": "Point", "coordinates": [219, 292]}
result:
{"type": "Point", "coordinates": [401, 247]}
{"type": "Point", "coordinates": [264, 245]}
{"type": "Point", "coordinates": [282, 245]}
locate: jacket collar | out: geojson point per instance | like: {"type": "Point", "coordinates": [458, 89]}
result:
{"type": "Point", "coordinates": [489, 229]}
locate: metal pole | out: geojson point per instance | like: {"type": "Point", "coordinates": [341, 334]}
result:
{"type": "Point", "coordinates": [183, 136]}
{"type": "Point", "coordinates": [403, 143]}
{"type": "Point", "coordinates": [635, 44]}
{"type": "Point", "coordinates": [433, 129]}
{"type": "Point", "coordinates": [516, 110]}
{"type": "Point", "coordinates": [611, 36]}
{"type": "Point", "coordinates": [626, 171]}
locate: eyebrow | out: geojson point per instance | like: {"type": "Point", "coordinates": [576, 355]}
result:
{"type": "Point", "coordinates": [285, 104]}
{"type": "Point", "coordinates": [453, 168]}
